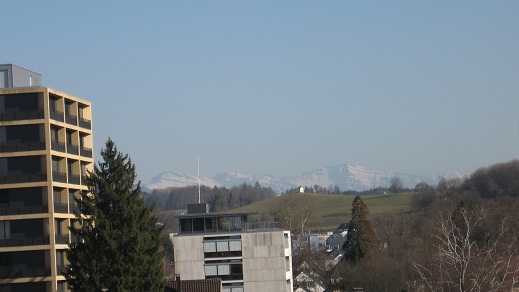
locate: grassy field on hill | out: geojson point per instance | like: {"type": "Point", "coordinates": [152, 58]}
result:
{"type": "Point", "coordinates": [336, 209]}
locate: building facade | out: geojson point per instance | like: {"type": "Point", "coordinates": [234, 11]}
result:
{"type": "Point", "coordinates": [247, 256]}
{"type": "Point", "coordinates": [45, 151]}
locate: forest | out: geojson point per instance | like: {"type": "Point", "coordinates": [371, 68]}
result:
{"type": "Point", "coordinates": [461, 235]}
{"type": "Point", "coordinates": [219, 199]}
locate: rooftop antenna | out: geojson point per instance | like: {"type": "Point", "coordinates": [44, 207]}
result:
{"type": "Point", "coordinates": [198, 175]}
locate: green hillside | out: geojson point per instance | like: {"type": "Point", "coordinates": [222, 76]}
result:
{"type": "Point", "coordinates": [336, 209]}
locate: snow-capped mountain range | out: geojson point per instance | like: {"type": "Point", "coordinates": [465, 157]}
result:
{"type": "Point", "coordinates": [347, 177]}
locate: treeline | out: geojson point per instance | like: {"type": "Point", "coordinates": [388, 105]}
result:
{"type": "Point", "coordinates": [461, 235]}
{"type": "Point", "coordinates": [219, 199]}
{"type": "Point", "coordinates": [317, 189]}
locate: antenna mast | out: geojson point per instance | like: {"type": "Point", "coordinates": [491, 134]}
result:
{"type": "Point", "coordinates": [198, 175]}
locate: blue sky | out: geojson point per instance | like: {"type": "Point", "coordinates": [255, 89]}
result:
{"type": "Point", "coordinates": [283, 87]}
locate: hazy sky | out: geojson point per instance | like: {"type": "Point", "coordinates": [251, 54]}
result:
{"type": "Point", "coordinates": [283, 87]}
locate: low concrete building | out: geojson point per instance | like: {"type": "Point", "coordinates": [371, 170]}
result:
{"type": "Point", "coordinates": [247, 256]}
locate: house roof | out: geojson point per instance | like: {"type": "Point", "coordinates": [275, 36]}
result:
{"type": "Point", "coordinates": [207, 285]}
{"type": "Point", "coordinates": [336, 252]}
{"type": "Point", "coordinates": [342, 227]}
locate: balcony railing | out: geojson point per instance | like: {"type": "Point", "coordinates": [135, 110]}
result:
{"type": "Point", "coordinates": [230, 277]}
{"type": "Point", "coordinates": [16, 147]}
{"type": "Point", "coordinates": [72, 149]}
{"type": "Point", "coordinates": [71, 119]}
{"type": "Point", "coordinates": [18, 116]}
{"type": "Point", "coordinates": [27, 241]}
{"type": "Point", "coordinates": [57, 146]}
{"type": "Point", "coordinates": [74, 208]}
{"type": "Point", "coordinates": [260, 226]}
{"type": "Point", "coordinates": [14, 272]}
{"type": "Point", "coordinates": [23, 178]}
{"type": "Point", "coordinates": [57, 115]}
{"type": "Point", "coordinates": [61, 269]}
{"type": "Point", "coordinates": [84, 123]}
{"type": "Point", "coordinates": [59, 176]}
{"type": "Point", "coordinates": [86, 152]}
{"type": "Point", "coordinates": [73, 179]}
{"type": "Point", "coordinates": [60, 208]}
{"type": "Point", "coordinates": [35, 209]}
{"type": "Point", "coordinates": [61, 238]}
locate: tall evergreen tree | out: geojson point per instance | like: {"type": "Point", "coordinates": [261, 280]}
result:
{"type": "Point", "coordinates": [118, 239]}
{"type": "Point", "coordinates": [362, 238]}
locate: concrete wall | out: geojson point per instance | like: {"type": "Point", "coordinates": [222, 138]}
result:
{"type": "Point", "coordinates": [264, 259]}
{"type": "Point", "coordinates": [189, 257]}
{"type": "Point", "coordinates": [264, 263]}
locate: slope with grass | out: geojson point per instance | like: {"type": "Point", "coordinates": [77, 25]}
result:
{"type": "Point", "coordinates": [336, 209]}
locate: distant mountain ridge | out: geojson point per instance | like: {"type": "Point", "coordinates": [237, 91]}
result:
{"type": "Point", "coordinates": [346, 177]}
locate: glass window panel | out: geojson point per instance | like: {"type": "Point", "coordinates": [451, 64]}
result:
{"type": "Point", "coordinates": [210, 270]}
{"type": "Point", "coordinates": [235, 223]}
{"type": "Point", "coordinates": [5, 229]}
{"type": "Point", "coordinates": [223, 224]}
{"type": "Point", "coordinates": [210, 224]}
{"type": "Point", "coordinates": [222, 246]}
{"type": "Point", "coordinates": [2, 230]}
{"type": "Point", "coordinates": [3, 136]}
{"type": "Point", "coordinates": [209, 246]}
{"type": "Point", "coordinates": [224, 270]}
{"type": "Point", "coordinates": [198, 224]}
{"type": "Point", "coordinates": [186, 225]}
{"type": "Point", "coordinates": [3, 166]}
{"type": "Point", "coordinates": [234, 245]}
{"type": "Point", "coordinates": [236, 269]}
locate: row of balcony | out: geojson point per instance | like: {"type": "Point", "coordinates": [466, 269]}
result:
{"type": "Point", "coordinates": [64, 178]}
{"type": "Point", "coordinates": [19, 116]}
{"type": "Point", "coordinates": [17, 147]}
{"type": "Point", "coordinates": [31, 241]}
{"type": "Point", "coordinates": [70, 119]}
{"type": "Point", "coordinates": [71, 149]}
{"type": "Point", "coordinates": [13, 272]}
{"type": "Point", "coordinates": [55, 145]}
{"type": "Point", "coordinates": [54, 114]}
{"type": "Point", "coordinates": [37, 209]}
{"type": "Point", "coordinates": [41, 177]}
{"type": "Point", "coordinates": [23, 178]}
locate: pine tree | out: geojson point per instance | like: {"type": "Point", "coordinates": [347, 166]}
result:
{"type": "Point", "coordinates": [362, 238]}
{"type": "Point", "coordinates": [118, 237]}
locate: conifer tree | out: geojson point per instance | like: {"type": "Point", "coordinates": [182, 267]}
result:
{"type": "Point", "coordinates": [118, 239]}
{"type": "Point", "coordinates": [362, 238]}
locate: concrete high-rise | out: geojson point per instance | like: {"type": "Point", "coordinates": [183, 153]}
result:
{"type": "Point", "coordinates": [45, 151]}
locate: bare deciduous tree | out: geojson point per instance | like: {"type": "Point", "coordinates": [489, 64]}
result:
{"type": "Point", "coordinates": [294, 211]}
{"type": "Point", "coordinates": [396, 185]}
{"type": "Point", "coordinates": [462, 263]}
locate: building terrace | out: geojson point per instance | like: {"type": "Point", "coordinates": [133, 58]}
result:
{"type": "Point", "coordinates": [221, 222]}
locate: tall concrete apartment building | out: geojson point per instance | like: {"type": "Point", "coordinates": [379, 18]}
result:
{"type": "Point", "coordinates": [247, 256]}
{"type": "Point", "coordinates": [45, 150]}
